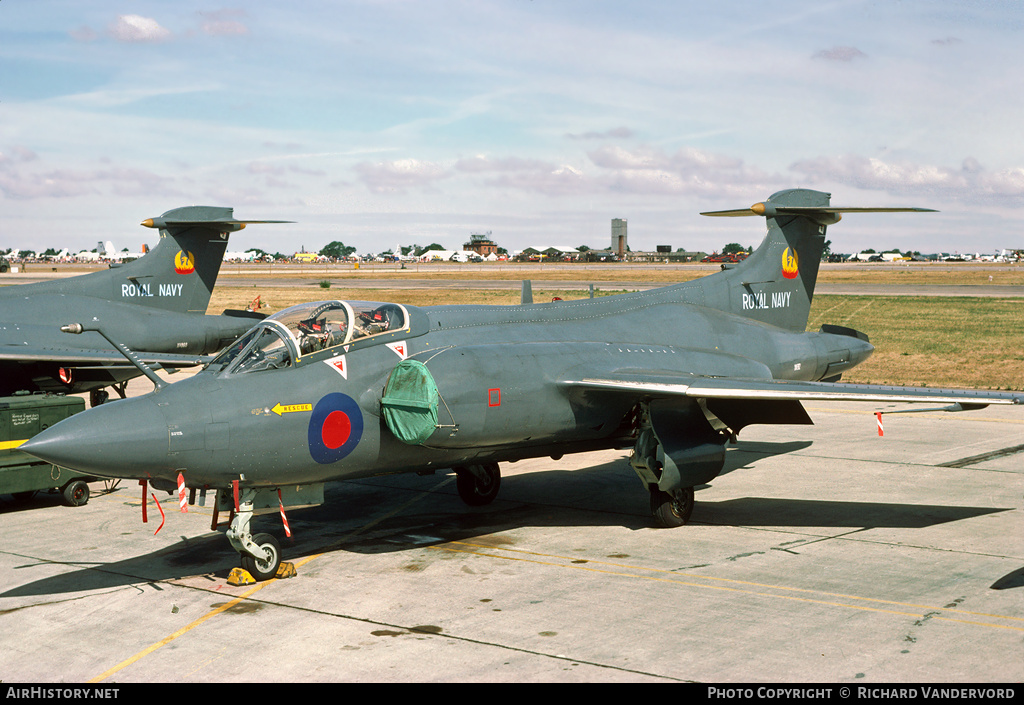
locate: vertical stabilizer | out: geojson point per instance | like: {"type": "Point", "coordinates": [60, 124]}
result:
{"type": "Point", "coordinates": [776, 283]}
{"type": "Point", "coordinates": [177, 275]}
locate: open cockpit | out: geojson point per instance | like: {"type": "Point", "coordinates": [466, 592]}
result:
{"type": "Point", "coordinates": [315, 331]}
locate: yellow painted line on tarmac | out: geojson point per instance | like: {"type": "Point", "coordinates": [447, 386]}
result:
{"type": "Point", "coordinates": [189, 627]}
{"type": "Point", "coordinates": [249, 593]}
{"type": "Point", "coordinates": [184, 630]}
{"type": "Point", "coordinates": [741, 586]}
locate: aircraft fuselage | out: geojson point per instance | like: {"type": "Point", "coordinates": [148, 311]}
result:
{"type": "Point", "coordinates": [498, 372]}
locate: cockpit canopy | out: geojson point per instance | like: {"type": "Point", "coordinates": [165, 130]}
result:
{"type": "Point", "coordinates": [290, 336]}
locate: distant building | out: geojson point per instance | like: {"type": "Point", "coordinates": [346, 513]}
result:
{"type": "Point", "coordinates": [481, 243]}
{"type": "Point", "coordinates": [619, 244]}
{"type": "Point", "coordinates": [548, 252]}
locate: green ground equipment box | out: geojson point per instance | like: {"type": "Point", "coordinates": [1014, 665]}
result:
{"type": "Point", "coordinates": [21, 475]}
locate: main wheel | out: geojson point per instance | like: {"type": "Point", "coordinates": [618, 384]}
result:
{"type": "Point", "coordinates": [671, 510]}
{"type": "Point", "coordinates": [75, 493]}
{"type": "Point", "coordinates": [476, 491]}
{"type": "Point", "coordinates": [263, 568]}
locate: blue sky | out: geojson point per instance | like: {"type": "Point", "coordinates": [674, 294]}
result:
{"type": "Point", "coordinates": [377, 122]}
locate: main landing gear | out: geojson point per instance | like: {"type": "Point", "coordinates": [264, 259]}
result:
{"type": "Point", "coordinates": [677, 448]}
{"type": "Point", "coordinates": [671, 509]}
{"type": "Point", "coordinates": [478, 484]}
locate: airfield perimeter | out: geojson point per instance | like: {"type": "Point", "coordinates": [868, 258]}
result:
{"type": "Point", "coordinates": [822, 554]}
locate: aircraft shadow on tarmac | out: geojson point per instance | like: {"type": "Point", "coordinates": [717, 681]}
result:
{"type": "Point", "coordinates": [1013, 579]}
{"type": "Point", "coordinates": [746, 453]}
{"type": "Point", "coordinates": [402, 512]}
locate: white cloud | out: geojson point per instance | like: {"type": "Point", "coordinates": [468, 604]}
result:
{"type": "Point", "coordinates": [223, 23]}
{"type": "Point", "coordinates": [67, 183]}
{"type": "Point", "coordinates": [399, 175]}
{"type": "Point", "coordinates": [615, 133]}
{"type": "Point", "coordinates": [970, 182]}
{"type": "Point", "coordinates": [482, 163]}
{"type": "Point", "coordinates": [135, 28]}
{"type": "Point", "coordinates": [842, 54]}
{"type": "Point", "coordinates": [651, 111]}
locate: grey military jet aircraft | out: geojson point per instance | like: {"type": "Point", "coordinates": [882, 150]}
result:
{"type": "Point", "coordinates": [155, 306]}
{"type": "Point", "coordinates": [337, 390]}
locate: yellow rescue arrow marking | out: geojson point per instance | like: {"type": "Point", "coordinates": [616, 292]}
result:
{"type": "Point", "coordinates": [281, 409]}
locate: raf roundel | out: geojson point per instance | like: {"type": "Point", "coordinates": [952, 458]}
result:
{"type": "Point", "coordinates": [335, 428]}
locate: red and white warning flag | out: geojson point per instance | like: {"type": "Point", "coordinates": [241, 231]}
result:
{"type": "Point", "coordinates": [879, 415]}
{"type": "Point", "coordinates": [182, 498]}
{"type": "Point", "coordinates": [284, 519]}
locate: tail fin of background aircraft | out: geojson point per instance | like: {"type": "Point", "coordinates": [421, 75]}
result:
{"type": "Point", "coordinates": [775, 284]}
{"type": "Point", "coordinates": [176, 275]}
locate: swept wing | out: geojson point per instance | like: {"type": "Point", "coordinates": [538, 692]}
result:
{"type": "Point", "coordinates": [658, 385]}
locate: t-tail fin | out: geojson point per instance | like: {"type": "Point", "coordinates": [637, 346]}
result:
{"type": "Point", "coordinates": [178, 274]}
{"type": "Point", "coordinates": [776, 283]}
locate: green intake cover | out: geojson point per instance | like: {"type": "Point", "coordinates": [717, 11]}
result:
{"type": "Point", "coordinates": [410, 402]}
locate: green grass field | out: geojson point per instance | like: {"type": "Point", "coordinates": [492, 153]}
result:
{"type": "Point", "coordinates": [934, 341]}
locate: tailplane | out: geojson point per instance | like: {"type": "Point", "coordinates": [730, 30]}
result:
{"type": "Point", "coordinates": [776, 283]}
{"type": "Point", "coordinates": [178, 274]}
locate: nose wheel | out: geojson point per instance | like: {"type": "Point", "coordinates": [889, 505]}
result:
{"type": "Point", "coordinates": [263, 568]}
{"type": "Point", "coordinates": [260, 555]}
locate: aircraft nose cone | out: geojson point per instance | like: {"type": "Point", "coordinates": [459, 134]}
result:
{"type": "Point", "coordinates": [124, 438]}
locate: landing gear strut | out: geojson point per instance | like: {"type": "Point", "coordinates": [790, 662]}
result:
{"type": "Point", "coordinates": [478, 484]}
{"type": "Point", "coordinates": [677, 448]}
{"type": "Point", "coordinates": [260, 554]}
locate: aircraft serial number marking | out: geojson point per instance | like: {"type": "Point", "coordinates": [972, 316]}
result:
{"type": "Point", "coordinates": [281, 409]}
{"type": "Point", "coordinates": [779, 299]}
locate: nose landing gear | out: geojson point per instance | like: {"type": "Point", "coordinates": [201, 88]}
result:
{"type": "Point", "coordinates": [263, 568]}
{"type": "Point", "coordinates": [260, 555]}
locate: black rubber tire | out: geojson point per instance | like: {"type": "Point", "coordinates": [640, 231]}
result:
{"type": "Point", "coordinates": [263, 569]}
{"type": "Point", "coordinates": [477, 492]}
{"type": "Point", "coordinates": [670, 512]}
{"type": "Point", "coordinates": [75, 493]}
